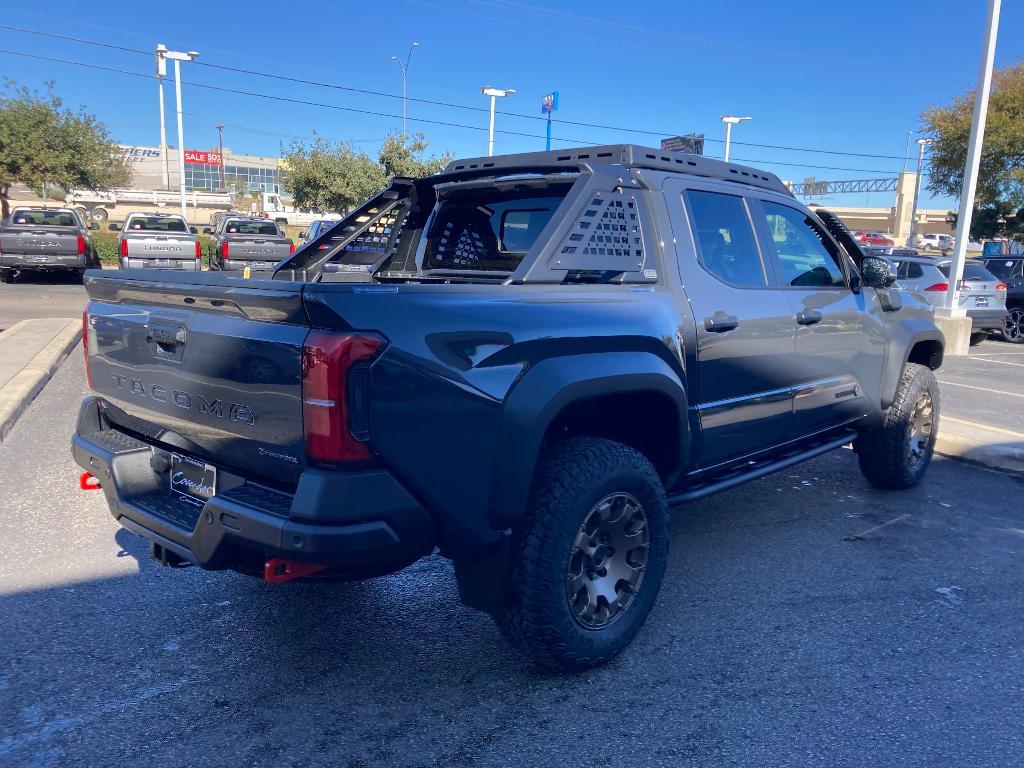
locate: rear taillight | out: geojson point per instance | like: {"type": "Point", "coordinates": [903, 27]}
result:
{"type": "Point", "coordinates": [334, 395]}
{"type": "Point", "coordinates": [1000, 286]}
{"type": "Point", "coordinates": [224, 250]}
{"type": "Point", "coordinates": [199, 250]}
{"type": "Point", "coordinates": [938, 287]}
{"type": "Point", "coordinates": [85, 346]}
{"type": "Point", "coordinates": [291, 247]}
{"type": "Point", "coordinates": [81, 245]}
{"type": "Point", "coordinates": [124, 249]}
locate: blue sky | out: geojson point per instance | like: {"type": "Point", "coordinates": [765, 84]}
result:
{"type": "Point", "coordinates": [849, 77]}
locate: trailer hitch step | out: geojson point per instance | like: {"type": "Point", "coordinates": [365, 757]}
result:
{"type": "Point", "coordinates": [278, 570]}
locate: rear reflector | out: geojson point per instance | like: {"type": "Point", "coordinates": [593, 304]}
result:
{"type": "Point", "coordinates": [334, 395]}
{"type": "Point", "coordinates": [124, 249]}
{"type": "Point", "coordinates": [938, 287]}
{"type": "Point", "coordinates": [81, 245]}
{"type": "Point", "coordinates": [85, 346]}
{"type": "Point", "coordinates": [224, 250]}
{"type": "Point", "coordinates": [199, 250]}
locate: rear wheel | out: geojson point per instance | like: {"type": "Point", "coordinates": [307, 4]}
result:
{"type": "Point", "coordinates": [586, 564]}
{"type": "Point", "coordinates": [1013, 327]}
{"type": "Point", "coordinates": [896, 454]}
{"type": "Point", "coordinates": [977, 338]}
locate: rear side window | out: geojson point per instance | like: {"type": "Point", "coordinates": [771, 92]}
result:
{"type": "Point", "coordinates": [809, 259]}
{"type": "Point", "coordinates": [725, 238]}
{"type": "Point", "coordinates": [1004, 269]}
{"type": "Point", "coordinates": [971, 272]}
{"type": "Point", "coordinates": [909, 270]}
{"type": "Point", "coordinates": [24, 218]}
{"type": "Point", "coordinates": [156, 224]}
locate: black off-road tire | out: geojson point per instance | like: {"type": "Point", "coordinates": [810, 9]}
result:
{"type": "Point", "coordinates": [572, 478]}
{"type": "Point", "coordinates": [977, 338]}
{"type": "Point", "coordinates": [887, 457]}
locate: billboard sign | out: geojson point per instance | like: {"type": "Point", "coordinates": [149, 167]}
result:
{"type": "Point", "coordinates": [549, 103]}
{"type": "Point", "coordinates": [691, 144]}
{"type": "Point", "coordinates": [203, 158]}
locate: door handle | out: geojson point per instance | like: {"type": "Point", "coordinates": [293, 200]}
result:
{"type": "Point", "coordinates": [721, 322]}
{"type": "Point", "coordinates": [808, 317]}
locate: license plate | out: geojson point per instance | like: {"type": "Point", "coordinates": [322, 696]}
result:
{"type": "Point", "coordinates": [259, 265]}
{"type": "Point", "coordinates": [192, 480]}
{"type": "Point", "coordinates": [161, 262]}
{"type": "Point", "coordinates": [981, 301]}
{"type": "Point", "coordinates": [41, 257]}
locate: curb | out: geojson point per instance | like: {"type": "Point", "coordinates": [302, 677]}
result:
{"type": "Point", "coordinates": [996, 448]}
{"type": "Point", "coordinates": [22, 388]}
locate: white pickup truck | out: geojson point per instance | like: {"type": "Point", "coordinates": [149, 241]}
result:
{"type": "Point", "coordinates": [273, 207]}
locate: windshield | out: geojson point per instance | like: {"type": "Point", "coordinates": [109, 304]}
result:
{"type": "Point", "coordinates": [236, 227]}
{"type": "Point", "coordinates": [157, 224]}
{"type": "Point", "coordinates": [22, 217]}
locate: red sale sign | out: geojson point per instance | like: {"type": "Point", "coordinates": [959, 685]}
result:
{"type": "Point", "coordinates": [203, 158]}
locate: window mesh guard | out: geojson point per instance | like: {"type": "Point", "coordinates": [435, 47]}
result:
{"type": "Point", "coordinates": [608, 237]}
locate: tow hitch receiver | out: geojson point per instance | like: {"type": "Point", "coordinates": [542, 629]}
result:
{"type": "Point", "coordinates": [88, 483]}
{"type": "Point", "coordinates": [278, 570]}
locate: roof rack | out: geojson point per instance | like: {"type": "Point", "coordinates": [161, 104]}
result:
{"type": "Point", "coordinates": [630, 155]}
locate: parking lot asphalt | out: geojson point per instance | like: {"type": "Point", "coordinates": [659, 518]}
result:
{"type": "Point", "coordinates": [806, 619]}
{"type": "Point", "coordinates": [987, 386]}
{"type": "Point", "coordinates": [41, 294]}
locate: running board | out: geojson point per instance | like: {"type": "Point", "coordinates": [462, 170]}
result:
{"type": "Point", "coordinates": [758, 469]}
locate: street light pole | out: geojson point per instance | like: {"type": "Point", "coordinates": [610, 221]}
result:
{"type": "Point", "coordinates": [405, 75]}
{"type": "Point", "coordinates": [921, 143]}
{"type": "Point", "coordinates": [963, 220]}
{"type": "Point", "coordinates": [220, 152]}
{"type": "Point", "coordinates": [494, 93]}
{"type": "Point", "coordinates": [177, 57]}
{"type": "Point", "coordinates": [730, 121]}
{"type": "Point", "coordinates": [161, 71]}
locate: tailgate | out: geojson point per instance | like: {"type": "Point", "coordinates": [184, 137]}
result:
{"type": "Point", "coordinates": [258, 249]}
{"type": "Point", "coordinates": [210, 368]}
{"type": "Point", "coordinates": [160, 246]}
{"type": "Point", "coordinates": [36, 241]}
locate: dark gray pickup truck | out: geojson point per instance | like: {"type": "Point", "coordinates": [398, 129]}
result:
{"type": "Point", "coordinates": [255, 244]}
{"type": "Point", "coordinates": [531, 359]}
{"type": "Point", "coordinates": [45, 240]}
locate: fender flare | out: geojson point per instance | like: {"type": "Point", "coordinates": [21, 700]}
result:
{"type": "Point", "coordinates": [901, 343]}
{"type": "Point", "coordinates": [550, 386]}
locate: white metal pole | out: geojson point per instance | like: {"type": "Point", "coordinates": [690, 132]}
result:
{"type": "Point", "coordinates": [912, 240]}
{"type": "Point", "coordinates": [728, 138]}
{"type": "Point", "coordinates": [490, 132]}
{"type": "Point", "coordinates": [163, 137]}
{"type": "Point", "coordinates": [181, 141]}
{"type": "Point", "coordinates": [405, 73]}
{"type": "Point", "coordinates": [963, 220]}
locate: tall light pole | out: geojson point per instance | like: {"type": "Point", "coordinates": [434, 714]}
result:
{"type": "Point", "coordinates": [405, 76]}
{"type": "Point", "coordinates": [161, 71]}
{"type": "Point", "coordinates": [921, 143]}
{"type": "Point", "coordinates": [963, 220]}
{"type": "Point", "coordinates": [220, 152]}
{"type": "Point", "coordinates": [494, 93]}
{"type": "Point", "coordinates": [177, 57]}
{"type": "Point", "coordinates": [730, 121]}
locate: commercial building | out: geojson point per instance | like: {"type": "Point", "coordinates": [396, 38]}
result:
{"type": "Point", "coordinates": [242, 173]}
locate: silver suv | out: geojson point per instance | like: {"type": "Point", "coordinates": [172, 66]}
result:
{"type": "Point", "coordinates": [982, 294]}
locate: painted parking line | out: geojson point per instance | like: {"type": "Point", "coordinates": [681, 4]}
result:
{"type": "Point", "coordinates": [979, 425]}
{"type": "Point", "coordinates": [944, 383]}
{"type": "Point", "coordinates": [1001, 362]}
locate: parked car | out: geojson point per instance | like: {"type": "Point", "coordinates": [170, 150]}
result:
{"type": "Point", "coordinates": [158, 241]}
{"type": "Point", "coordinates": [873, 238]}
{"type": "Point", "coordinates": [252, 243]}
{"type": "Point", "coordinates": [45, 240]}
{"type": "Point", "coordinates": [1010, 269]}
{"type": "Point", "coordinates": [935, 242]}
{"type": "Point", "coordinates": [540, 354]}
{"type": "Point", "coordinates": [982, 294]}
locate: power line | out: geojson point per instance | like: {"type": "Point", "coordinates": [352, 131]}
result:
{"type": "Point", "coordinates": [450, 105]}
{"type": "Point", "coordinates": [304, 102]}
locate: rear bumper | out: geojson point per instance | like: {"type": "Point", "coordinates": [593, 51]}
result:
{"type": "Point", "coordinates": [187, 265]}
{"type": "Point", "coordinates": [361, 522]}
{"type": "Point", "coordinates": [52, 262]}
{"type": "Point", "coordinates": [987, 319]}
{"type": "Point", "coordinates": [238, 265]}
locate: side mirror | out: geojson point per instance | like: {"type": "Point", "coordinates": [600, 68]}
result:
{"type": "Point", "coordinates": [112, 227]}
{"type": "Point", "coordinates": [93, 225]}
{"type": "Point", "coordinates": [207, 231]}
{"type": "Point", "coordinates": [876, 273]}
{"type": "Point", "coordinates": [302, 235]}
{"type": "Point", "coordinates": [193, 230]}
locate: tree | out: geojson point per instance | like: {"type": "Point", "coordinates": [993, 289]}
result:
{"type": "Point", "coordinates": [43, 143]}
{"type": "Point", "coordinates": [1000, 189]}
{"type": "Point", "coordinates": [337, 177]}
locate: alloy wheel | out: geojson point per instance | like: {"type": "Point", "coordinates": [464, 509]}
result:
{"type": "Point", "coordinates": [608, 560]}
{"type": "Point", "coordinates": [1013, 328]}
{"type": "Point", "coordinates": [921, 422]}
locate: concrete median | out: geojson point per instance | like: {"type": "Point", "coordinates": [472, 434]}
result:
{"type": "Point", "coordinates": [981, 444]}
